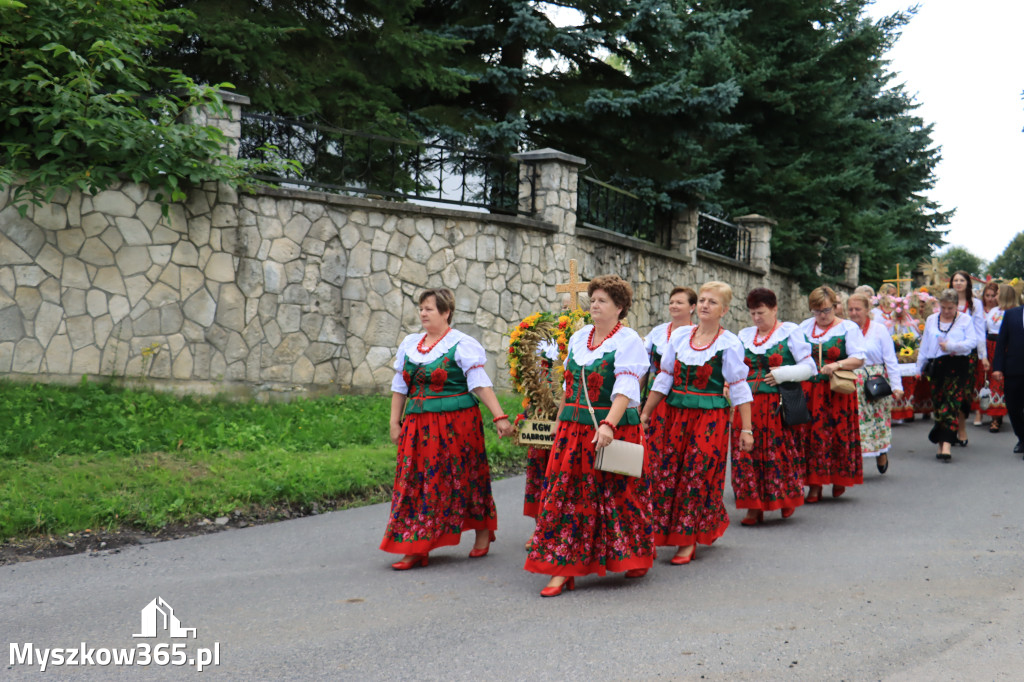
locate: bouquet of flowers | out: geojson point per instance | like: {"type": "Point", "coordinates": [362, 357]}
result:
{"type": "Point", "coordinates": [906, 345]}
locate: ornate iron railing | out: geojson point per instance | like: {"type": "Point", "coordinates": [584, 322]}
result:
{"type": "Point", "coordinates": [602, 205]}
{"type": "Point", "coordinates": [351, 162]}
{"type": "Point", "coordinates": [724, 238]}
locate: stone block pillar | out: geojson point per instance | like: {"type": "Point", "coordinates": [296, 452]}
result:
{"type": "Point", "coordinates": [684, 234]}
{"type": "Point", "coordinates": [760, 229]}
{"type": "Point", "coordinates": [548, 182]}
{"type": "Point", "coordinates": [852, 269]}
{"type": "Point", "coordinates": [229, 121]}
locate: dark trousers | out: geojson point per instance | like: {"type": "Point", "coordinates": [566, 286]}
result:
{"type": "Point", "coordinates": [1014, 387]}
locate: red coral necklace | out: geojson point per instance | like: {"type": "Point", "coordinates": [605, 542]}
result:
{"type": "Point", "coordinates": [765, 339]}
{"type": "Point", "coordinates": [424, 351]}
{"type": "Point", "coordinates": [717, 334]}
{"type": "Point", "coordinates": [823, 331]}
{"type": "Point", "coordinates": [590, 339]}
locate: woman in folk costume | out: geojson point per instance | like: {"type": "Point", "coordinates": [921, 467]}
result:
{"type": "Point", "coordinates": [1006, 298]}
{"type": "Point", "coordinates": [949, 337]}
{"type": "Point", "coordinates": [681, 303]}
{"type": "Point", "coordinates": [879, 360]}
{"type": "Point", "coordinates": [832, 440]}
{"type": "Point", "coordinates": [442, 480]}
{"type": "Point", "coordinates": [770, 476]}
{"type": "Point", "coordinates": [960, 282]}
{"type": "Point", "coordinates": [592, 521]}
{"type": "Point", "coordinates": [697, 366]}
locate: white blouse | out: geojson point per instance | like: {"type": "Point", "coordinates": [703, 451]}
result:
{"type": "Point", "coordinates": [657, 340]}
{"type": "Point", "coordinates": [631, 360]}
{"type": "Point", "coordinates": [879, 350]}
{"type": "Point", "coordinates": [959, 336]}
{"type": "Point", "coordinates": [788, 331]}
{"type": "Point", "coordinates": [469, 356]}
{"type": "Point", "coordinates": [854, 339]}
{"type": "Point", "coordinates": [978, 318]}
{"type": "Point", "coordinates": [734, 369]}
{"type": "Point", "coordinates": [994, 320]}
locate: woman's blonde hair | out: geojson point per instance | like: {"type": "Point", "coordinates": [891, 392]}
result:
{"type": "Point", "coordinates": [863, 298]}
{"type": "Point", "coordinates": [821, 296]}
{"type": "Point", "coordinates": [720, 288]}
{"type": "Point", "coordinates": [1007, 297]}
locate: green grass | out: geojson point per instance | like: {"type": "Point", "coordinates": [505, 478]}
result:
{"type": "Point", "coordinates": [97, 456]}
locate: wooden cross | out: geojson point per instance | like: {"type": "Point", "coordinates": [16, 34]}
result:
{"type": "Point", "coordinates": [898, 281]}
{"type": "Point", "coordinates": [574, 287]}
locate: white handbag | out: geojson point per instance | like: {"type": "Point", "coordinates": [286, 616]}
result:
{"type": "Point", "coordinates": [619, 456]}
{"type": "Point", "coordinates": [984, 398]}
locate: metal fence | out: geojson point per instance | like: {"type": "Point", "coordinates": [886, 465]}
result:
{"type": "Point", "coordinates": [602, 205]}
{"type": "Point", "coordinates": [357, 163]}
{"type": "Point", "coordinates": [724, 238]}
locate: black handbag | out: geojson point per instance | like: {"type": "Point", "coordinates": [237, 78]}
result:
{"type": "Point", "coordinates": [793, 404]}
{"type": "Point", "coordinates": [928, 368]}
{"type": "Point", "coordinates": [876, 388]}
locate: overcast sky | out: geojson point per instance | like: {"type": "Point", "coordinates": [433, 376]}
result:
{"type": "Point", "coordinates": [963, 62]}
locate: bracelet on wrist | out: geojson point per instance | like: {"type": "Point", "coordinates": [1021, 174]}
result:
{"type": "Point", "coordinates": [750, 431]}
{"type": "Point", "coordinates": [605, 422]}
{"type": "Point", "coordinates": [499, 418]}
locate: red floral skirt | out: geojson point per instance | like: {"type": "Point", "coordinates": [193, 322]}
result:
{"type": "Point", "coordinates": [536, 465]}
{"type": "Point", "coordinates": [687, 487]}
{"type": "Point", "coordinates": [590, 521]}
{"type": "Point", "coordinates": [442, 482]}
{"type": "Point", "coordinates": [995, 386]}
{"type": "Point", "coordinates": [770, 476]}
{"type": "Point", "coordinates": [831, 441]}
{"type": "Point", "coordinates": [904, 407]}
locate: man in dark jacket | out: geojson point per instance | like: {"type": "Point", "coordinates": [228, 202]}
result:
{"type": "Point", "coordinates": [1008, 364]}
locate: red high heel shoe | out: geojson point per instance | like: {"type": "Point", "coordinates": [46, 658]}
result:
{"type": "Point", "coordinates": [636, 572]}
{"type": "Point", "coordinates": [477, 553]}
{"type": "Point", "coordinates": [678, 560]}
{"type": "Point", "coordinates": [555, 591]}
{"type": "Point", "coordinates": [753, 520]}
{"type": "Point", "coordinates": [787, 512]}
{"type": "Point", "coordinates": [838, 490]}
{"type": "Point", "coordinates": [413, 562]}
{"type": "Point", "coordinates": [813, 497]}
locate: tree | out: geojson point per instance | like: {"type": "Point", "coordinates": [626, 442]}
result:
{"type": "Point", "coordinates": [959, 258]}
{"type": "Point", "coordinates": [825, 146]}
{"type": "Point", "coordinates": [350, 65]}
{"type": "Point", "coordinates": [81, 104]}
{"type": "Point", "coordinates": [1010, 263]}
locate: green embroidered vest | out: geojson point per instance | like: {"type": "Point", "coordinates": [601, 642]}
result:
{"type": "Point", "coordinates": [701, 387]}
{"type": "Point", "coordinates": [600, 376]}
{"type": "Point", "coordinates": [760, 365]}
{"type": "Point", "coordinates": [438, 386]}
{"type": "Point", "coordinates": [838, 342]}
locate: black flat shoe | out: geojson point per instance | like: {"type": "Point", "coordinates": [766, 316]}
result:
{"type": "Point", "coordinates": [882, 468]}
{"type": "Point", "coordinates": [1018, 448]}
{"type": "Point", "coordinates": [943, 457]}
{"type": "Point", "coordinates": [961, 443]}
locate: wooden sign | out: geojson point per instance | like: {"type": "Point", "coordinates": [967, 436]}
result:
{"type": "Point", "coordinates": [536, 433]}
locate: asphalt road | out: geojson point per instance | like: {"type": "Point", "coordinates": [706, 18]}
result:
{"type": "Point", "coordinates": [916, 575]}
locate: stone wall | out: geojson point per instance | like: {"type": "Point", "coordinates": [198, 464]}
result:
{"type": "Point", "coordinates": [298, 291]}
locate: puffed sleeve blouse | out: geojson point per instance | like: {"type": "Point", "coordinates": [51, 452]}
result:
{"type": "Point", "coordinates": [734, 369]}
{"type": "Point", "coordinates": [631, 360]}
{"type": "Point", "coordinates": [469, 356]}
{"type": "Point", "coordinates": [961, 338]}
